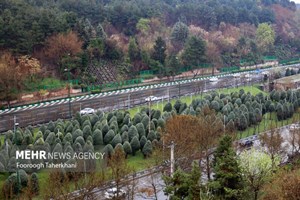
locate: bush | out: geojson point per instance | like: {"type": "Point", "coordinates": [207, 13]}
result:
{"type": "Point", "coordinates": [143, 141]}
{"type": "Point", "coordinates": [97, 137]}
{"type": "Point", "coordinates": [88, 147]}
{"type": "Point", "coordinates": [80, 140]}
{"type": "Point", "coordinates": [105, 130]}
{"type": "Point", "coordinates": [109, 137]}
{"type": "Point", "coordinates": [17, 138]}
{"type": "Point", "coordinates": [77, 147]}
{"type": "Point", "coordinates": [137, 119]}
{"type": "Point", "coordinates": [132, 132]}
{"type": "Point", "coordinates": [68, 138]}
{"type": "Point", "coordinates": [151, 136]}
{"type": "Point", "coordinates": [168, 107]}
{"type": "Point", "coordinates": [108, 150]}
{"type": "Point", "coordinates": [94, 119]}
{"type": "Point", "coordinates": [127, 148]}
{"type": "Point", "coordinates": [87, 132]}
{"type": "Point", "coordinates": [117, 139]}
{"type": "Point", "coordinates": [156, 114]}
{"type": "Point", "coordinates": [50, 139]}
{"type": "Point", "coordinates": [140, 129]}
{"type": "Point", "coordinates": [125, 137]}
{"type": "Point", "coordinates": [177, 105]}
{"type": "Point", "coordinates": [77, 133]}
{"type": "Point", "coordinates": [135, 145]}
{"type": "Point", "coordinates": [145, 121]}
{"type": "Point", "coordinates": [147, 150]}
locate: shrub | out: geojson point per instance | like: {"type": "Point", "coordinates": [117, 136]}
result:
{"type": "Point", "coordinates": [145, 121]}
{"type": "Point", "coordinates": [97, 137]}
{"type": "Point", "coordinates": [87, 132]}
{"type": "Point", "coordinates": [17, 138]}
{"type": "Point", "coordinates": [51, 126]}
{"type": "Point", "coordinates": [109, 137]}
{"type": "Point", "coordinates": [124, 128]}
{"type": "Point", "coordinates": [137, 119]}
{"type": "Point", "coordinates": [127, 148]}
{"type": "Point", "coordinates": [125, 137]}
{"type": "Point", "coordinates": [68, 138]}
{"type": "Point", "coordinates": [135, 145]}
{"type": "Point", "coordinates": [50, 139]}
{"type": "Point", "coordinates": [94, 119]}
{"type": "Point", "coordinates": [147, 149]}
{"type": "Point", "coordinates": [151, 136]}
{"type": "Point", "coordinates": [88, 147]}
{"type": "Point", "coordinates": [108, 150]}
{"type": "Point", "coordinates": [77, 147]}
{"type": "Point", "coordinates": [140, 129]}
{"type": "Point", "coordinates": [80, 140]}
{"type": "Point", "coordinates": [143, 141]}
{"type": "Point", "coordinates": [132, 132]}
{"type": "Point", "coordinates": [105, 130]}
{"type": "Point", "coordinates": [117, 139]}
{"type": "Point", "coordinates": [168, 107]}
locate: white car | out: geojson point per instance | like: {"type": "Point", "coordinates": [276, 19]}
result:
{"type": "Point", "coordinates": [151, 98]}
{"type": "Point", "coordinates": [213, 79]}
{"type": "Point", "coordinates": [87, 111]}
{"type": "Point", "coordinates": [237, 75]}
{"type": "Point", "coordinates": [113, 193]}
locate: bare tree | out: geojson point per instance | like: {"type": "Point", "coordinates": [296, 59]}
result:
{"type": "Point", "coordinates": [272, 141]}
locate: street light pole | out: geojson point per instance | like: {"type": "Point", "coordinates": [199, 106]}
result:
{"type": "Point", "coordinates": [69, 92]}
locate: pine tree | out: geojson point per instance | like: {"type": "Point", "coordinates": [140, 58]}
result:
{"type": "Point", "coordinates": [159, 53]}
{"type": "Point", "coordinates": [228, 182]}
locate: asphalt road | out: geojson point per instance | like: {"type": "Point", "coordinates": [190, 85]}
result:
{"type": "Point", "coordinates": [117, 100]}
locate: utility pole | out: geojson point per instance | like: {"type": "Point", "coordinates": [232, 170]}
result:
{"type": "Point", "coordinates": [69, 93]}
{"type": "Point", "coordinates": [128, 101]}
{"type": "Point", "coordinates": [172, 159]}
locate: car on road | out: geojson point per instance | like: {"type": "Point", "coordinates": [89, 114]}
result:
{"type": "Point", "coordinates": [151, 98]}
{"type": "Point", "coordinates": [114, 193]}
{"type": "Point", "coordinates": [213, 79]}
{"type": "Point", "coordinates": [87, 111]}
{"type": "Point", "coordinates": [237, 75]}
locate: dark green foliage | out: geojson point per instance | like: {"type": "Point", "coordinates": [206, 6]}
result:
{"type": "Point", "coordinates": [151, 136]}
{"type": "Point", "coordinates": [34, 183]}
{"type": "Point", "coordinates": [135, 145]}
{"type": "Point", "coordinates": [228, 183]}
{"type": "Point", "coordinates": [124, 128]}
{"type": "Point", "coordinates": [161, 123]}
{"type": "Point", "coordinates": [125, 137]}
{"type": "Point", "coordinates": [140, 129]}
{"type": "Point", "coordinates": [152, 127]}
{"type": "Point", "coordinates": [177, 105]}
{"type": "Point", "coordinates": [87, 132]}
{"type": "Point", "coordinates": [77, 147]}
{"type": "Point", "coordinates": [117, 139]}
{"type": "Point", "coordinates": [109, 137]}
{"type": "Point", "coordinates": [127, 148]}
{"type": "Point", "coordinates": [86, 123]}
{"type": "Point", "coordinates": [88, 147]}
{"type": "Point", "coordinates": [137, 118]}
{"type": "Point", "coordinates": [156, 114]}
{"type": "Point", "coordinates": [287, 72]}
{"type": "Point", "coordinates": [27, 138]}
{"type": "Point", "coordinates": [97, 137]}
{"type": "Point", "coordinates": [50, 139]}
{"type": "Point", "coordinates": [143, 141]}
{"type": "Point", "coordinates": [105, 129]}
{"type": "Point", "coordinates": [127, 119]}
{"type": "Point", "coordinates": [147, 149]}
{"type": "Point", "coordinates": [68, 138]}
{"type": "Point", "coordinates": [194, 52]}
{"type": "Point", "coordinates": [79, 140]}
{"type": "Point", "coordinates": [76, 134]}
{"type": "Point", "coordinates": [179, 34]}
{"type": "Point", "coordinates": [17, 138]}
{"type": "Point", "coordinates": [132, 132]}
{"type": "Point", "coordinates": [183, 185]}
{"type": "Point", "coordinates": [58, 148]}
{"type": "Point", "coordinates": [120, 117]}
{"type": "Point", "coordinates": [182, 108]}
{"type": "Point", "coordinates": [145, 121]}
{"type": "Point", "coordinates": [280, 112]}
{"type": "Point", "coordinates": [43, 128]}
{"type": "Point", "coordinates": [94, 119]}
{"type": "Point", "coordinates": [242, 122]}
{"type": "Point", "coordinates": [160, 48]}
{"type": "Point", "coordinates": [90, 138]}
{"type": "Point", "coordinates": [108, 150]}
{"type": "Point", "coordinates": [168, 107]}
{"type": "Point", "coordinates": [51, 126]}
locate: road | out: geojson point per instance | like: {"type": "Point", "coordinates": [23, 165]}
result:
{"type": "Point", "coordinates": [120, 99]}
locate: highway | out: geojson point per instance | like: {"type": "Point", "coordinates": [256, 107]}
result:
{"type": "Point", "coordinates": [122, 99]}
{"type": "Point", "coordinates": [43, 113]}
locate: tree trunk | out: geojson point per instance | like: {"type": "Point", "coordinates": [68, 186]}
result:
{"type": "Point", "coordinates": [207, 166]}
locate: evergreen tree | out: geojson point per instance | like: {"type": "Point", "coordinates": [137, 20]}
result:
{"type": "Point", "coordinates": [159, 53]}
{"type": "Point", "coordinates": [133, 50]}
{"type": "Point", "coordinates": [127, 148]}
{"type": "Point", "coordinates": [147, 149]}
{"type": "Point", "coordinates": [194, 53]}
{"type": "Point", "coordinates": [179, 35]}
{"type": "Point", "coordinates": [228, 182]}
{"type": "Point", "coordinates": [135, 145]}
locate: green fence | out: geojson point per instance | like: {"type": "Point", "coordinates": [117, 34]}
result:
{"type": "Point", "coordinates": [229, 69]}
{"type": "Point", "coordinates": [99, 88]}
{"type": "Point", "coordinates": [290, 61]}
{"type": "Point", "coordinates": [269, 58]}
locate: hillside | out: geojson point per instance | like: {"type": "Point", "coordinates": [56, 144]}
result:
{"type": "Point", "coordinates": [164, 36]}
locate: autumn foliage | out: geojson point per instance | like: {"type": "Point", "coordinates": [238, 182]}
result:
{"type": "Point", "coordinates": [60, 45]}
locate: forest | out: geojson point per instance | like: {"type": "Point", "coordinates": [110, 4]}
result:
{"type": "Point", "coordinates": [127, 37]}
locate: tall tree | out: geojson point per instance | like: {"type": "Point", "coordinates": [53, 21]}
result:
{"type": "Point", "coordinates": [10, 78]}
{"type": "Point", "coordinates": [257, 168]}
{"type": "Point", "coordinates": [184, 185]}
{"type": "Point", "coordinates": [265, 37]}
{"type": "Point", "coordinates": [173, 65]}
{"type": "Point", "coordinates": [133, 50]}
{"type": "Point", "coordinates": [179, 35]}
{"type": "Point", "coordinates": [159, 53]}
{"type": "Point", "coordinates": [194, 53]}
{"type": "Point", "coordinates": [228, 182]}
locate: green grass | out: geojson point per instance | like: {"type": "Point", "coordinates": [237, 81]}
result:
{"type": "Point", "coordinates": [269, 120]}
{"type": "Point", "coordinates": [188, 99]}
{"type": "Point", "coordinates": [46, 83]}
